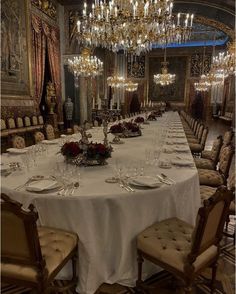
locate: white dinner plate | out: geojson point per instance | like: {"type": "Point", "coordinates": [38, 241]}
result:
{"type": "Point", "coordinates": [16, 150]}
{"type": "Point", "coordinates": [146, 182]}
{"type": "Point", "coordinates": [43, 185]}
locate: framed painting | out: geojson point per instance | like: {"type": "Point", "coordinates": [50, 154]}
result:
{"type": "Point", "coordinates": [16, 76]}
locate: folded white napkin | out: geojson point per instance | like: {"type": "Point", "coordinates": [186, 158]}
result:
{"type": "Point", "coordinates": [17, 151]}
{"type": "Point", "coordinates": [147, 181]}
{"type": "Point", "coordinates": [181, 149]}
{"type": "Point", "coordinates": [50, 142]}
{"type": "Point", "coordinates": [182, 162]}
{"type": "Point", "coordinates": [41, 185]}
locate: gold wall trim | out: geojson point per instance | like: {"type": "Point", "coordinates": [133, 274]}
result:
{"type": "Point", "coordinates": [215, 24]}
{"type": "Point", "coordinates": [207, 4]}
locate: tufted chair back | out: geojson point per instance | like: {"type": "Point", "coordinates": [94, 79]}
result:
{"type": "Point", "coordinates": [204, 137]}
{"type": "Point", "coordinates": [18, 142]}
{"type": "Point", "coordinates": [225, 160]}
{"type": "Point", "coordinates": [200, 131]}
{"type": "Point", "coordinates": [32, 256]}
{"type": "Point", "coordinates": [34, 120]}
{"type": "Point", "coordinates": [50, 132]}
{"type": "Point", "coordinates": [19, 234]}
{"type": "Point", "coordinates": [231, 181]}
{"type": "Point", "coordinates": [3, 124]}
{"type": "Point", "coordinates": [215, 150]}
{"type": "Point", "coordinates": [38, 137]}
{"type": "Point", "coordinates": [19, 122]}
{"type": "Point", "coordinates": [11, 123]}
{"type": "Point", "coordinates": [210, 222]}
{"type": "Point", "coordinates": [228, 136]}
{"type": "Point", "coordinates": [27, 121]}
{"type": "Point", "coordinates": [197, 128]}
{"type": "Point", "coordinates": [40, 120]}
{"type": "Point", "coordinates": [95, 123]}
{"type": "Point", "coordinates": [76, 129]}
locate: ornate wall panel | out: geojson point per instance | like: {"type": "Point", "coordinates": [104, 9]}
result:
{"type": "Point", "coordinates": [197, 64]}
{"type": "Point", "coordinates": [16, 81]}
{"type": "Point", "coordinates": [136, 66]}
{"type": "Point", "coordinates": [174, 92]}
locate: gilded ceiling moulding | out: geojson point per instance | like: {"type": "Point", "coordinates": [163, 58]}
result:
{"type": "Point", "coordinates": [215, 24]}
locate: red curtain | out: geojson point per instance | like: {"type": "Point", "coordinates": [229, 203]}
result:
{"type": "Point", "coordinates": [50, 37]}
{"type": "Point", "coordinates": [39, 51]}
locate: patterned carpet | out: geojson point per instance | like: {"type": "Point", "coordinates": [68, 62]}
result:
{"type": "Point", "coordinates": [162, 283]}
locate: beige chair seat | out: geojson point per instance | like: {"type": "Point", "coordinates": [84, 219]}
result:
{"type": "Point", "coordinates": [195, 148]}
{"type": "Point", "coordinates": [210, 178]}
{"type": "Point", "coordinates": [204, 163]}
{"type": "Point", "coordinates": [4, 133]}
{"type": "Point", "coordinates": [170, 241]}
{"type": "Point", "coordinates": [55, 244]}
{"type": "Point", "coordinates": [206, 154]}
{"type": "Point", "coordinates": [193, 140]}
{"type": "Point", "coordinates": [206, 192]}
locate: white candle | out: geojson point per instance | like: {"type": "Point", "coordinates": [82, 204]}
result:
{"type": "Point", "coordinates": [178, 15]}
{"type": "Point", "coordinates": [192, 16]}
{"type": "Point", "coordinates": [115, 11]}
{"type": "Point", "coordinates": [78, 26]}
{"type": "Point", "coordinates": [118, 104]}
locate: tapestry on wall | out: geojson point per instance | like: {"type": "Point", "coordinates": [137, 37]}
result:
{"type": "Point", "coordinates": [15, 49]}
{"type": "Point", "coordinates": [135, 66]}
{"type": "Point", "coordinates": [173, 92]}
{"type": "Point", "coordinates": [46, 6]}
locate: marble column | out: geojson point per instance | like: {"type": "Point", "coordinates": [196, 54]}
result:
{"type": "Point", "coordinates": [83, 100]}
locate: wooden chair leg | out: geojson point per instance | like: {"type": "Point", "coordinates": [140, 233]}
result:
{"type": "Point", "coordinates": [227, 222]}
{"type": "Point", "coordinates": [140, 263]}
{"type": "Point", "coordinates": [188, 287]}
{"type": "Point", "coordinates": [213, 277]}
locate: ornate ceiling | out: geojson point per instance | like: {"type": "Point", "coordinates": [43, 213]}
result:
{"type": "Point", "coordinates": [219, 14]}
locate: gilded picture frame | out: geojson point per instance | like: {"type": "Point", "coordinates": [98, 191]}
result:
{"type": "Point", "coordinates": [16, 71]}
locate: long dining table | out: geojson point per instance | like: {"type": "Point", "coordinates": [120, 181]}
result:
{"type": "Point", "coordinates": [106, 216]}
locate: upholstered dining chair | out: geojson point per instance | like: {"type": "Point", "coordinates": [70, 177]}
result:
{"type": "Point", "coordinates": [49, 130]}
{"type": "Point", "coordinates": [38, 137]}
{"type": "Point", "coordinates": [197, 148]}
{"type": "Point", "coordinates": [11, 126]}
{"type": "Point", "coordinates": [40, 120]}
{"type": "Point", "coordinates": [32, 256]}
{"type": "Point", "coordinates": [211, 162]}
{"type": "Point", "coordinates": [184, 250]}
{"type": "Point", "coordinates": [196, 139]}
{"type": "Point", "coordinates": [27, 122]}
{"type": "Point", "coordinates": [18, 142]}
{"type": "Point", "coordinates": [4, 131]}
{"type": "Point", "coordinates": [76, 129]}
{"type": "Point", "coordinates": [218, 177]}
{"type": "Point", "coordinates": [20, 125]}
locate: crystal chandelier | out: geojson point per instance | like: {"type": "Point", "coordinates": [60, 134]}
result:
{"type": "Point", "coordinates": [165, 78]}
{"type": "Point", "coordinates": [116, 81]}
{"type": "Point", "coordinates": [132, 25]}
{"type": "Point", "coordinates": [131, 86]}
{"type": "Point", "coordinates": [85, 65]}
{"type": "Point", "coordinates": [224, 63]}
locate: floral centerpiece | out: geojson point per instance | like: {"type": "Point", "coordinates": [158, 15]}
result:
{"type": "Point", "coordinates": [117, 130]}
{"type": "Point", "coordinates": [81, 153]}
{"type": "Point", "coordinates": [139, 120]}
{"type": "Point", "coordinates": [151, 116]}
{"type": "Point", "coordinates": [132, 129]}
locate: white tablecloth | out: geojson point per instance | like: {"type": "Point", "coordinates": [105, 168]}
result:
{"type": "Point", "coordinates": [106, 217]}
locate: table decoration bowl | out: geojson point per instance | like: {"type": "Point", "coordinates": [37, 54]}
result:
{"type": "Point", "coordinates": [87, 154]}
{"type": "Point", "coordinates": [139, 120]}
